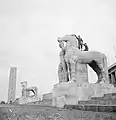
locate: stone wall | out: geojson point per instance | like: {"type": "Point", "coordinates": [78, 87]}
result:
{"type": "Point", "coordinates": [47, 96]}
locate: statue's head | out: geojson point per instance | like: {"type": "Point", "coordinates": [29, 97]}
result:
{"type": "Point", "coordinates": [70, 39]}
{"type": "Point", "coordinates": [66, 38]}
{"type": "Point", "coordinates": [24, 84]}
{"type": "Point", "coordinates": [61, 44]}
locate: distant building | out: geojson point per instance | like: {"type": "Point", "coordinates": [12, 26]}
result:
{"type": "Point", "coordinates": [112, 74]}
{"type": "Point", "coordinates": [47, 96]}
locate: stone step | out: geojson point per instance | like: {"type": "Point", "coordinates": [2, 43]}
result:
{"type": "Point", "coordinates": [110, 94]}
{"type": "Point", "coordinates": [102, 102]}
{"type": "Point", "coordinates": [92, 107]}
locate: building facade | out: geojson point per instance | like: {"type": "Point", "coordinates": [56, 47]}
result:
{"type": "Point", "coordinates": [112, 74]}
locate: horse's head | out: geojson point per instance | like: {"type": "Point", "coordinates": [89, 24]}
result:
{"type": "Point", "coordinates": [71, 40]}
{"type": "Point", "coordinates": [24, 84]}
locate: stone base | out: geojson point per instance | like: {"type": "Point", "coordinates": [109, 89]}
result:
{"type": "Point", "coordinates": [26, 100]}
{"type": "Point", "coordinates": [94, 108]}
{"type": "Point", "coordinates": [70, 92]}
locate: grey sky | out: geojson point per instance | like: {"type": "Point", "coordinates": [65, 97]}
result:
{"type": "Point", "coordinates": [29, 31]}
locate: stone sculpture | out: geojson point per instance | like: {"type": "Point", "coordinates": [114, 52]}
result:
{"type": "Point", "coordinates": [73, 55]}
{"type": "Point", "coordinates": [64, 69]}
{"type": "Point", "coordinates": [29, 94]}
{"type": "Point", "coordinates": [75, 87]}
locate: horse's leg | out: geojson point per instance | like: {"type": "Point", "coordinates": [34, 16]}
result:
{"type": "Point", "coordinates": [100, 75]}
{"type": "Point", "coordinates": [73, 70]}
{"type": "Point", "coordinates": [68, 71]}
{"type": "Point", "coordinates": [105, 69]}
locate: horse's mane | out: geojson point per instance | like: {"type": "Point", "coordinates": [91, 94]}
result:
{"type": "Point", "coordinates": [74, 36]}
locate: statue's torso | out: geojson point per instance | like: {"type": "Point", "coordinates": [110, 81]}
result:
{"type": "Point", "coordinates": [73, 53]}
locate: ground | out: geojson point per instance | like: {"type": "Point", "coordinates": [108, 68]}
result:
{"type": "Point", "coordinates": [43, 112]}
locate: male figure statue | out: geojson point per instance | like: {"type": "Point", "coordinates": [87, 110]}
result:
{"type": "Point", "coordinates": [80, 42]}
{"type": "Point", "coordinates": [86, 47]}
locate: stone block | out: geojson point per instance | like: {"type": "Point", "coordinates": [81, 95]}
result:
{"type": "Point", "coordinates": [112, 102]}
{"type": "Point", "coordinates": [72, 92]}
{"type": "Point", "coordinates": [81, 102]}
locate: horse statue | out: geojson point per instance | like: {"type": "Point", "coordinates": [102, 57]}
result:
{"type": "Point", "coordinates": [73, 56]}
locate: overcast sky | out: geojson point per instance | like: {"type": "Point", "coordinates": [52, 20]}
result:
{"type": "Point", "coordinates": [29, 31]}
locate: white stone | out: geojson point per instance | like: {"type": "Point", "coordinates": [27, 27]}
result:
{"type": "Point", "coordinates": [70, 93]}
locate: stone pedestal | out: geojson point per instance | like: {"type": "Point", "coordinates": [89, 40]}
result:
{"type": "Point", "coordinates": [70, 92]}
{"type": "Point", "coordinates": [26, 94]}
{"type": "Point", "coordinates": [26, 100]}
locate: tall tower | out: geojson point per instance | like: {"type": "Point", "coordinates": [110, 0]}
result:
{"type": "Point", "coordinates": [12, 84]}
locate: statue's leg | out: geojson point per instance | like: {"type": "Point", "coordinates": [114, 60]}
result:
{"type": "Point", "coordinates": [60, 72]}
{"type": "Point", "coordinates": [104, 69]}
{"type": "Point", "coordinates": [100, 75]}
{"type": "Point", "coordinates": [73, 70]}
{"type": "Point", "coordinates": [66, 72]}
